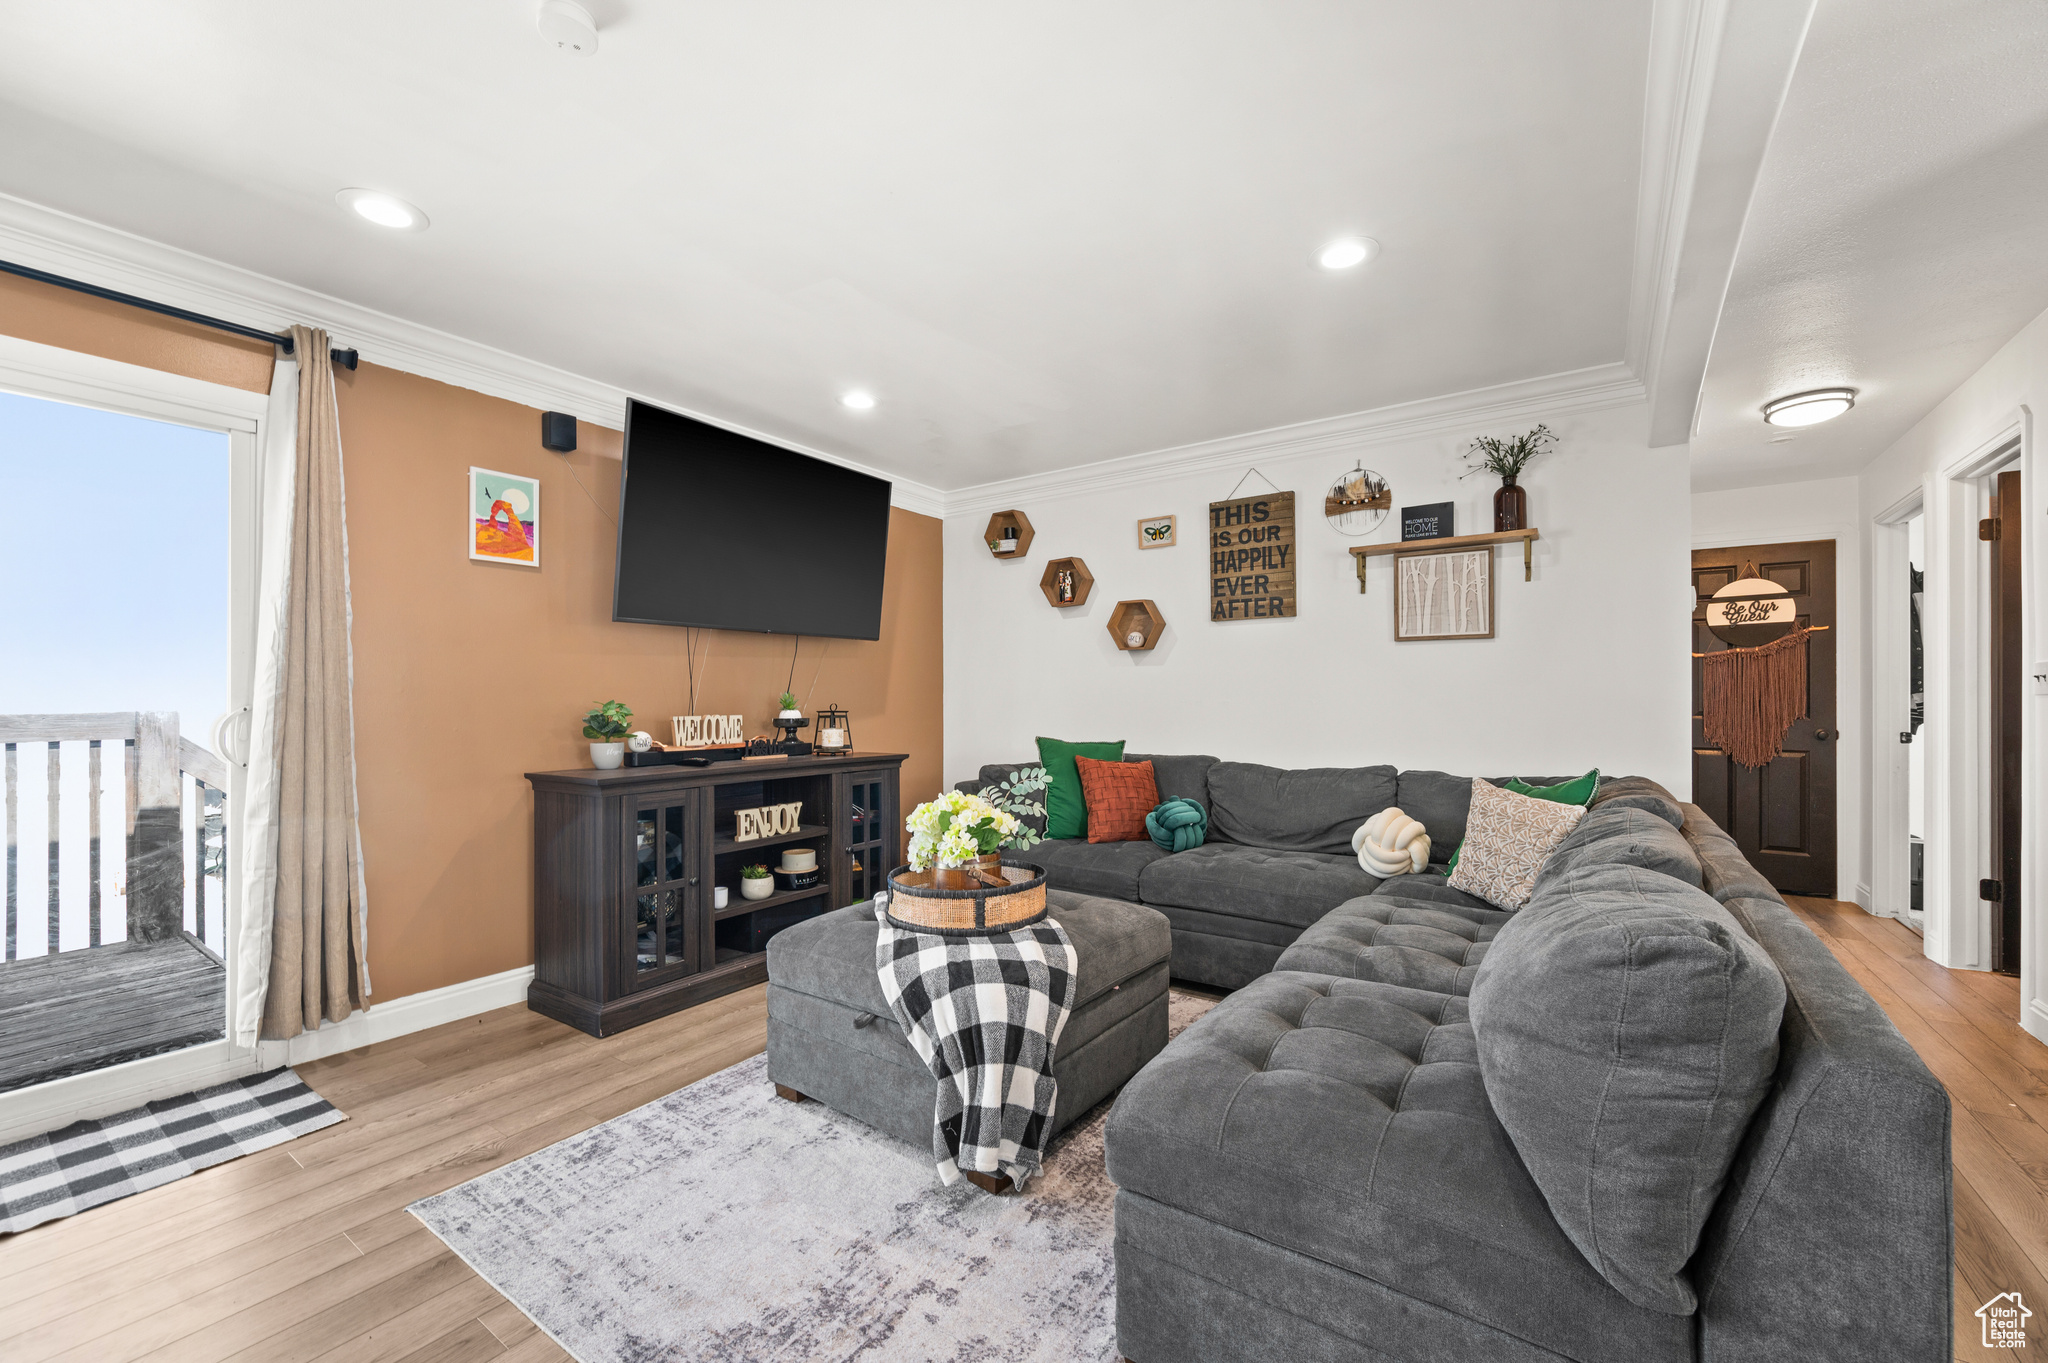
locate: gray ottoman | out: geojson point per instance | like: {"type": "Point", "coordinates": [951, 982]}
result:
{"type": "Point", "coordinates": [832, 1037]}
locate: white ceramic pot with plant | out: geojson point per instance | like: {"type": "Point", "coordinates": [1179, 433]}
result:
{"type": "Point", "coordinates": [606, 726]}
{"type": "Point", "coordinates": [755, 882]}
{"type": "Point", "coordinates": [789, 708]}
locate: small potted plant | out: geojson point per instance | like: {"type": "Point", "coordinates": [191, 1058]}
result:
{"type": "Point", "coordinates": [755, 882]}
{"type": "Point", "coordinates": [789, 710]}
{"type": "Point", "coordinates": [1491, 454]}
{"type": "Point", "coordinates": [606, 726]}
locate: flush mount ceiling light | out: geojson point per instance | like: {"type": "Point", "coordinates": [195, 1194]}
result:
{"type": "Point", "coordinates": [1345, 252]}
{"type": "Point", "coordinates": [1807, 409]}
{"type": "Point", "coordinates": [568, 26]}
{"type": "Point", "coordinates": [386, 210]}
{"type": "Point", "coordinates": [859, 400]}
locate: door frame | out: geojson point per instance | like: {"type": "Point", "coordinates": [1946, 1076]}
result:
{"type": "Point", "coordinates": [1891, 703]}
{"type": "Point", "coordinates": [1958, 923]}
{"type": "Point", "coordinates": [69, 376]}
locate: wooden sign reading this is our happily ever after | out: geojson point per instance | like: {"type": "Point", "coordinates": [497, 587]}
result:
{"type": "Point", "coordinates": [1251, 557]}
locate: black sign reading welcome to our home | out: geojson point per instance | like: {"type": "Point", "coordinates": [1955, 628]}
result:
{"type": "Point", "coordinates": [1251, 557]}
{"type": "Point", "coordinates": [1434, 521]}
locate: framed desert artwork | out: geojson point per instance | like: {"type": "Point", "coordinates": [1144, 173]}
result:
{"type": "Point", "coordinates": [504, 518]}
{"type": "Point", "coordinates": [1446, 595]}
{"type": "Point", "coordinates": [1157, 532]}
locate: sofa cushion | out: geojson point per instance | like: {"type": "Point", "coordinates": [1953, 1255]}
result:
{"type": "Point", "coordinates": [1181, 776]}
{"type": "Point", "coordinates": [1640, 792]}
{"type": "Point", "coordinates": [1295, 888]}
{"type": "Point", "coordinates": [1119, 796]}
{"type": "Point", "coordinates": [1346, 1120]}
{"type": "Point", "coordinates": [1397, 942]}
{"type": "Point", "coordinates": [1431, 887]}
{"type": "Point", "coordinates": [1627, 835]}
{"type": "Point", "coordinates": [1627, 1027]}
{"type": "Point", "coordinates": [1066, 809]}
{"type": "Point", "coordinates": [1018, 789]}
{"type": "Point", "coordinates": [1507, 841]}
{"type": "Point", "coordinates": [1724, 872]}
{"type": "Point", "coordinates": [1313, 810]}
{"type": "Point", "coordinates": [1105, 868]}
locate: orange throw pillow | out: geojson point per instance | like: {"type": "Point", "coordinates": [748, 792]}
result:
{"type": "Point", "coordinates": [1119, 795]}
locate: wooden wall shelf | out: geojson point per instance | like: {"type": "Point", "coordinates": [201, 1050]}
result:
{"type": "Point", "coordinates": [1001, 521]}
{"type": "Point", "coordinates": [1049, 581]}
{"type": "Point", "coordinates": [1361, 552]}
{"type": "Point", "coordinates": [1140, 616]}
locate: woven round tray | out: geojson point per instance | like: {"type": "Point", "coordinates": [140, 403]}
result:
{"type": "Point", "coordinates": [917, 905]}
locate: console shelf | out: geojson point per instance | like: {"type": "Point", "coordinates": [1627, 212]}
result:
{"type": "Point", "coordinates": [624, 863]}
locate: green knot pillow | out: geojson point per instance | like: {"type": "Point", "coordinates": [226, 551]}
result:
{"type": "Point", "coordinates": [1178, 825]}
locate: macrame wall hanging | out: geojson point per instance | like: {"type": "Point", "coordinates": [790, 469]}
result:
{"type": "Point", "coordinates": [1752, 694]}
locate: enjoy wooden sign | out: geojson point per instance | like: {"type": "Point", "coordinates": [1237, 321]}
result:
{"type": "Point", "coordinates": [1251, 557]}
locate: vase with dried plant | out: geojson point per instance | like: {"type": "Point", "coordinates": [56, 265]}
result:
{"type": "Point", "coordinates": [1507, 458]}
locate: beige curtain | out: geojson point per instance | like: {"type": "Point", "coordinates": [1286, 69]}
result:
{"type": "Point", "coordinates": [318, 965]}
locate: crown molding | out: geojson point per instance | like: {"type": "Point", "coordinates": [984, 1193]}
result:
{"type": "Point", "coordinates": [61, 243]}
{"type": "Point", "coordinates": [1550, 396]}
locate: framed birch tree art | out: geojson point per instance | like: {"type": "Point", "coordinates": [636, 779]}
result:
{"type": "Point", "coordinates": [1447, 595]}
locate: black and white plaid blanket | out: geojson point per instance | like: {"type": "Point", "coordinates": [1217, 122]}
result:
{"type": "Point", "coordinates": [985, 1014]}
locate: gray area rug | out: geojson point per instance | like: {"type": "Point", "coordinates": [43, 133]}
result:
{"type": "Point", "coordinates": [723, 1224]}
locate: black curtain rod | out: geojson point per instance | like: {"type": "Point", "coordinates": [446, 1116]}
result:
{"type": "Point", "coordinates": [345, 358]}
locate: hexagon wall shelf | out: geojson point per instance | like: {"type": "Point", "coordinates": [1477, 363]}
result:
{"type": "Point", "coordinates": [1008, 520]}
{"type": "Point", "coordinates": [1135, 617]}
{"type": "Point", "coordinates": [1049, 582]}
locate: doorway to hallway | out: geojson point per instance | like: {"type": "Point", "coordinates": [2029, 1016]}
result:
{"type": "Point", "coordinates": [1782, 815]}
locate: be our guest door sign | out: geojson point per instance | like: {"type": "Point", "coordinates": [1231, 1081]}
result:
{"type": "Point", "coordinates": [1251, 557]}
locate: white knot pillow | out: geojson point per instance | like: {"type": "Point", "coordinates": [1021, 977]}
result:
{"type": "Point", "coordinates": [1391, 844]}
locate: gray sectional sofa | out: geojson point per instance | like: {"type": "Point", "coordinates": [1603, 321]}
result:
{"type": "Point", "coordinates": [1647, 1117]}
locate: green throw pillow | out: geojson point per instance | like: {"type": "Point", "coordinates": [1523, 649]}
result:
{"type": "Point", "coordinates": [1066, 811]}
{"type": "Point", "coordinates": [1577, 791]}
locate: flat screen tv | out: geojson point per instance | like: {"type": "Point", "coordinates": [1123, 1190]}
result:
{"type": "Point", "coordinates": [721, 530]}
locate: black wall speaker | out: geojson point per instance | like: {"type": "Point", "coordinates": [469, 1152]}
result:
{"type": "Point", "coordinates": [558, 431]}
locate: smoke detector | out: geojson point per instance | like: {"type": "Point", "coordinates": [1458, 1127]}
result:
{"type": "Point", "coordinates": [568, 26]}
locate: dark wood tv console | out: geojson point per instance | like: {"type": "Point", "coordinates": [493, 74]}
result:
{"type": "Point", "coordinates": [624, 864]}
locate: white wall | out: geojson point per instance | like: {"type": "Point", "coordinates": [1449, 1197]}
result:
{"type": "Point", "coordinates": [1824, 509]}
{"type": "Point", "coordinates": [2001, 397]}
{"type": "Point", "coordinates": [1589, 666]}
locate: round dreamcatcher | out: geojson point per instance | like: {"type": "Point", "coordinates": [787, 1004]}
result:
{"type": "Point", "coordinates": [1358, 502]}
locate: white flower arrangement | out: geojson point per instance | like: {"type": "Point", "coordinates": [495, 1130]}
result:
{"type": "Point", "coordinates": [955, 829]}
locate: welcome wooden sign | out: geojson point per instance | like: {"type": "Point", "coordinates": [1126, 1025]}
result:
{"type": "Point", "coordinates": [1251, 557]}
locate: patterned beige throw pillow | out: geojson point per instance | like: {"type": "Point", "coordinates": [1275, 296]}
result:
{"type": "Point", "coordinates": [1507, 839]}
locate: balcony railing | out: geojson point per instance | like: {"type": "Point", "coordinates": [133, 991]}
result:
{"type": "Point", "coordinates": [71, 780]}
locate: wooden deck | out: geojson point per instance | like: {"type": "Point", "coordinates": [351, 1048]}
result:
{"type": "Point", "coordinates": [306, 1251]}
{"type": "Point", "coordinates": [80, 1011]}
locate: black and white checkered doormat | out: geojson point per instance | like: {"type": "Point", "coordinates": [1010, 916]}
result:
{"type": "Point", "coordinates": [87, 1163]}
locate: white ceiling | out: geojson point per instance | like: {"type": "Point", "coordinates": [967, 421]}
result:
{"type": "Point", "coordinates": [1898, 237]}
{"type": "Point", "coordinates": [1043, 236]}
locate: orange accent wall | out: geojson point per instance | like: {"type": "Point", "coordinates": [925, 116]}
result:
{"type": "Point", "coordinates": [470, 674]}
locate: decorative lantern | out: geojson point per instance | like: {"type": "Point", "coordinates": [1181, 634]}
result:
{"type": "Point", "coordinates": [1751, 610]}
{"type": "Point", "coordinates": [834, 733]}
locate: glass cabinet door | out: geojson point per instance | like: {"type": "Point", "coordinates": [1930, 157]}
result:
{"type": "Point", "coordinates": [870, 815]}
{"type": "Point", "coordinates": [664, 925]}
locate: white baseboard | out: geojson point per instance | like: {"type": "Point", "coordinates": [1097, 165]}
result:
{"type": "Point", "coordinates": [1862, 898]}
{"type": "Point", "coordinates": [59, 1103]}
{"type": "Point", "coordinates": [2034, 1019]}
{"type": "Point", "coordinates": [401, 1016]}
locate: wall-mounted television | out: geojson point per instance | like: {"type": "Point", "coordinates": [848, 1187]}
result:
{"type": "Point", "coordinates": [721, 530]}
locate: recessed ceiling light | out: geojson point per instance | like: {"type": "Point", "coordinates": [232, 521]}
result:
{"type": "Point", "coordinates": [1345, 252]}
{"type": "Point", "coordinates": [1808, 409]}
{"type": "Point", "coordinates": [386, 210]}
{"type": "Point", "coordinates": [859, 400]}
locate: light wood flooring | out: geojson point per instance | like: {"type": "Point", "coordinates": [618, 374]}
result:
{"type": "Point", "coordinates": [306, 1251]}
